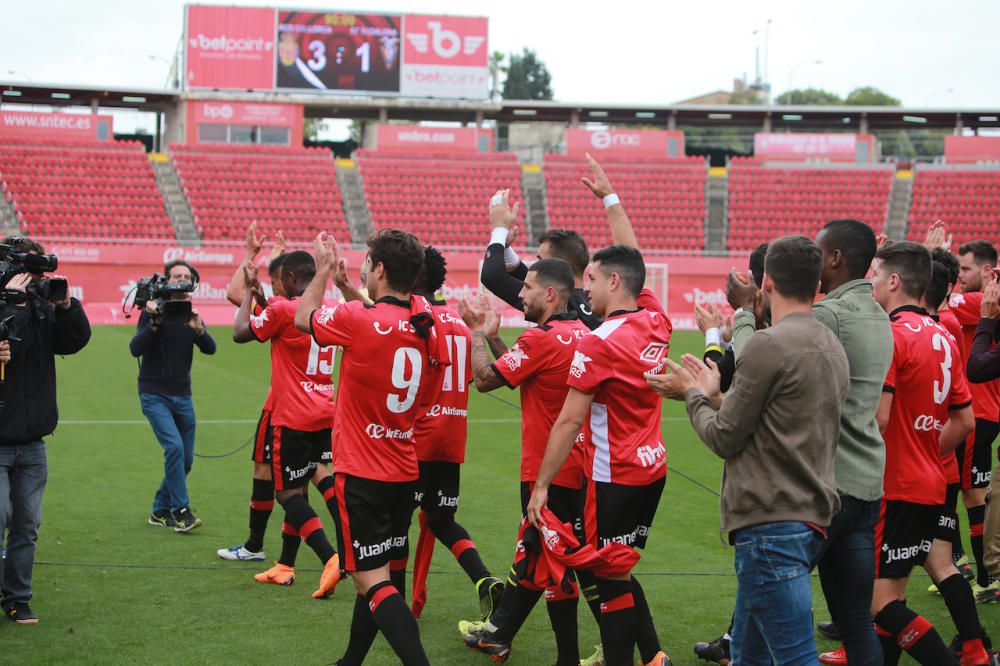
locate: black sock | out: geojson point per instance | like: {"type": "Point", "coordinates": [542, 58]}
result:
{"type": "Point", "coordinates": [301, 516]}
{"type": "Point", "coordinates": [290, 542]}
{"type": "Point", "coordinates": [890, 651]}
{"type": "Point", "coordinates": [456, 539]}
{"type": "Point", "coordinates": [618, 621]}
{"type": "Point", "coordinates": [261, 505]}
{"type": "Point", "coordinates": [977, 516]}
{"type": "Point", "coordinates": [915, 634]}
{"type": "Point", "coordinates": [522, 602]}
{"type": "Point", "coordinates": [506, 599]}
{"type": "Point", "coordinates": [588, 588]}
{"type": "Point", "coordinates": [562, 617]}
{"type": "Point", "coordinates": [326, 490]}
{"type": "Point", "coordinates": [646, 639]}
{"type": "Point", "coordinates": [397, 574]}
{"type": "Point", "coordinates": [396, 623]}
{"type": "Point", "coordinates": [951, 501]}
{"type": "Point", "coordinates": [958, 597]}
{"type": "Point", "coordinates": [363, 632]}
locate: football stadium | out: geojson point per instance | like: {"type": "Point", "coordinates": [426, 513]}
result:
{"type": "Point", "coordinates": [400, 255]}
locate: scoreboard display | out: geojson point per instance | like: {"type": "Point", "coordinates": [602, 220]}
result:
{"type": "Point", "coordinates": [335, 51]}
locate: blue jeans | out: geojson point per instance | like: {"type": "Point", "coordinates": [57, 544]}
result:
{"type": "Point", "coordinates": [172, 418]}
{"type": "Point", "coordinates": [847, 571]}
{"type": "Point", "coordinates": [24, 470]}
{"type": "Point", "coordinates": [773, 621]}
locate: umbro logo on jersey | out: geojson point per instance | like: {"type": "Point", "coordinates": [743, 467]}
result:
{"type": "Point", "coordinates": [514, 357]}
{"type": "Point", "coordinates": [926, 423]}
{"type": "Point", "coordinates": [378, 329]}
{"type": "Point", "coordinates": [585, 310]}
{"type": "Point", "coordinates": [570, 340]}
{"type": "Point", "coordinates": [579, 365]}
{"type": "Point", "coordinates": [653, 352]}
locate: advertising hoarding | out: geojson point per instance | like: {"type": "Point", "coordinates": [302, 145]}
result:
{"type": "Point", "coordinates": [402, 138]}
{"type": "Point", "coordinates": [229, 47]}
{"type": "Point", "coordinates": [445, 56]}
{"type": "Point", "coordinates": [33, 124]}
{"type": "Point", "coordinates": [624, 143]}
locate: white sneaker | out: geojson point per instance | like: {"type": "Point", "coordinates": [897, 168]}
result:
{"type": "Point", "coordinates": [239, 553]}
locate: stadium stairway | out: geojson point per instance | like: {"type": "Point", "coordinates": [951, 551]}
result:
{"type": "Point", "coordinates": [718, 204]}
{"type": "Point", "coordinates": [352, 191]}
{"type": "Point", "coordinates": [177, 204]}
{"type": "Point", "coordinates": [9, 225]}
{"type": "Point", "coordinates": [536, 214]}
{"type": "Point", "coordinates": [900, 198]}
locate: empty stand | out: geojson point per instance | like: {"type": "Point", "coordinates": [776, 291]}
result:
{"type": "Point", "coordinates": [767, 201]}
{"type": "Point", "coordinates": [291, 189]}
{"type": "Point", "coordinates": [82, 190]}
{"type": "Point", "coordinates": [442, 198]}
{"type": "Point", "coordinates": [665, 200]}
{"type": "Point", "coordinates": [967, 199]}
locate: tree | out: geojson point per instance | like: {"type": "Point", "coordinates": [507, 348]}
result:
{"type": "Point", "coordinates": [527, 77]}
{"type": "Point", "coordinates": [311, 128]}
{"type": "Point", "coordinates": [496, 68]}
{"type": "Point", "coordinates": [809, 97]}
{"type": "Point", "coordinates": [870, 96]}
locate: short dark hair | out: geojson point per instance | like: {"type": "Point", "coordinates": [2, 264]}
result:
{"type": "Point", "coordinates": [275, 265]}
{"type": "Point", "coordinates": [24, 244]}
{"type": "Point", "coordinates": [627, 262]}
{"type": "Point", "coordinates": [433, 273]}
{"type": "Point", "coordinates": [948, 260]}
{"type": "Point", "coordinates": [911, 262]}
{"type": "Point", "coordinates": [794, 263]}
{"type": "Point", "coordinates": [982, 251]}
{"type": "Point", "coordinates": [171, 265]}
{"type": "Point", "coordinates": [757, 264]}
{"type": "Point", "coordinates": [856, 241]}
{"type": "Point", "coordinates": [569, 246]}
{"type": "Point", "coordinates": [937, 287]}
{"type": "Point", "coordinates": [300, 264]}
{"type": "Point", "coordinates": [555, 273]}
{"type": "Point", "coordinates": [401, 255]}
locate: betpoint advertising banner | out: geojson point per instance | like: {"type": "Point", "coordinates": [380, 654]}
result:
{"type": "Point", "coordinates": [101, 276]}
{"type": "Point", "coordinates": [799, 146]}
{"type": "Point", "coordinates": [31, 124]}
{"type": "Point", "coordinates": [445, 56]}
{"type": "Point", "coordinates": [971, 149]}
{"type": "Point", "coordinates": [229, 47]}
{"type": "Point", "coordinates": [402, 138]}
{"type": "Point", "coordinates": [624, 143]}
{"type": "Point", "coordinates": [246, 113]}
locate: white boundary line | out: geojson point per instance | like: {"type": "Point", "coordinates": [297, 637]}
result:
{"type": "Point", "coordinates": [129, 422]}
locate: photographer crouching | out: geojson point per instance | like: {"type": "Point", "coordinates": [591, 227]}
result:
{"type": "Point", "coordinates": [38, 320]}
{"type": "Point", "coordinates": [165, 338]}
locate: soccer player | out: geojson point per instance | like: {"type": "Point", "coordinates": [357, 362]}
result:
{"type": "Point", "coordinates": [391, 355]}
{"type": "Point", "coordinates": [925, 410]}
{"type": "Point", "coordinates": [539, 363]}
{"type": "Point", "coordinates": [975, 456]}
{"type": "Point", "coordinates": [440, 436]}
{"type": "Point", "coordinates": [301, 412]}
{"type": "Point", "coordinates": [625, 461]}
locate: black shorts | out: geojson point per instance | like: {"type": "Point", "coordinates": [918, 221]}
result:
{"type": "Point", "coordinates": [295, 454]}
{"type": "Point", "coordinates": [262, 439]}
{"type": "Point", "coordinates": [903, 536]}
{"type": "Point", "coordinates": [565, 503]}
{"type": "Point", "coordinates": [372, 519]}
{"type": "Point", "coordinates": [947, 523]}
{"type": "Point", "coordinates": [615, 513]}
{"type": "Point", "coordinates": [976, 470]}
{"type": "Point", "coordinates": [437, 488]}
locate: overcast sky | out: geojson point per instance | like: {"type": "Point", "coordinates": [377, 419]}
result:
{"type": "Point", "coordinates": [925, 52]}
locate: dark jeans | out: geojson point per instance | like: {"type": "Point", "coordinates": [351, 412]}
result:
{"type": "Point", "coordinates": [847, 572]}
{"type": "Point", "coordinates": [23, 472]}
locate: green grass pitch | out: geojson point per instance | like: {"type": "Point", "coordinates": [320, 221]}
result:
{"type": "Point", "coordinates": [111, 589]}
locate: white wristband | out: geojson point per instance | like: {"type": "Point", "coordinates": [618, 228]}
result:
{"type": "Point", "coordinates": [499, 235]}
{"type": "Point", "coordinates": [510, 258]}
{"type": "Point", "coordinates": [611, 200]}
{"type": "Point", "coordinates": [713, 336]}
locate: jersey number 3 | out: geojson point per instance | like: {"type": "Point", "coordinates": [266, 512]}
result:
{"type": "Point", "coordinates": [942, 388]}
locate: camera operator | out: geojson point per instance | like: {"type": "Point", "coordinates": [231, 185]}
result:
{"type": "Point", "coordinates": [166, 347]}
{"type": "Point", "coordinates": [38, 330]}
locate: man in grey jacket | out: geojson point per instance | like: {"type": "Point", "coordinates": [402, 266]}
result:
{"type": "Point", "coordinates": [777, 431]}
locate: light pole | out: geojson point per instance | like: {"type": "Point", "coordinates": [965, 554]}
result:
{"type": "Point", "coordinates": [169, 65]}
{"type": "Point", "coordinates": [765, 82]}
{"type": "Point", "coordinates": [791, 72]}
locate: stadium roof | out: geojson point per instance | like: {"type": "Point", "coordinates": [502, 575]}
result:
{"type": "Point", "coordinates": [400, 108]}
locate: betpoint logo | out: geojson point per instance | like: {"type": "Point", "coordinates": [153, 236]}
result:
{"type": "Point", "coordinates": [218, 111]}
{"type": "Point", "coordinates": [224, 44]}
{"type": "Point", "coordinates": [446, 43]}
{"type": "Point", "coordinates": [605, 140]}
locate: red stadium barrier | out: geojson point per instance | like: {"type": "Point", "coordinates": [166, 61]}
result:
{"type": "Point", "coordinates": [102, 275]}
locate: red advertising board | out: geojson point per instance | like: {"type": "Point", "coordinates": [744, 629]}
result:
{"type": "Point", "coordinates": [229, 47]}
{"type": "Point", "coordinates": [445, 56]}
{"type": "Point", "coordinates": [971, 149]}
{"type": "Point", "coordinates": [245, 113]}
{"type": "Point", "coordinates": [402, 138]}
{"type": "Point", "coordinates": [624, 143]}
{"type": "Point", "coordinates": [102, 275]}
{"type": "Point", "coordinates": [800, 146]}
{"type": "Point", "coordinates": [34, 125]}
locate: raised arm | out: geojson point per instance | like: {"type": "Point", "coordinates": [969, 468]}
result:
{"type": "Point", "coordinates": [237, 284]}
{"type": "Point", "coordinates": [502, 269]}
{"type": "Point", "coordinates": [621, 227]}
{"type": "Point", "coordinates": [327, 256]}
